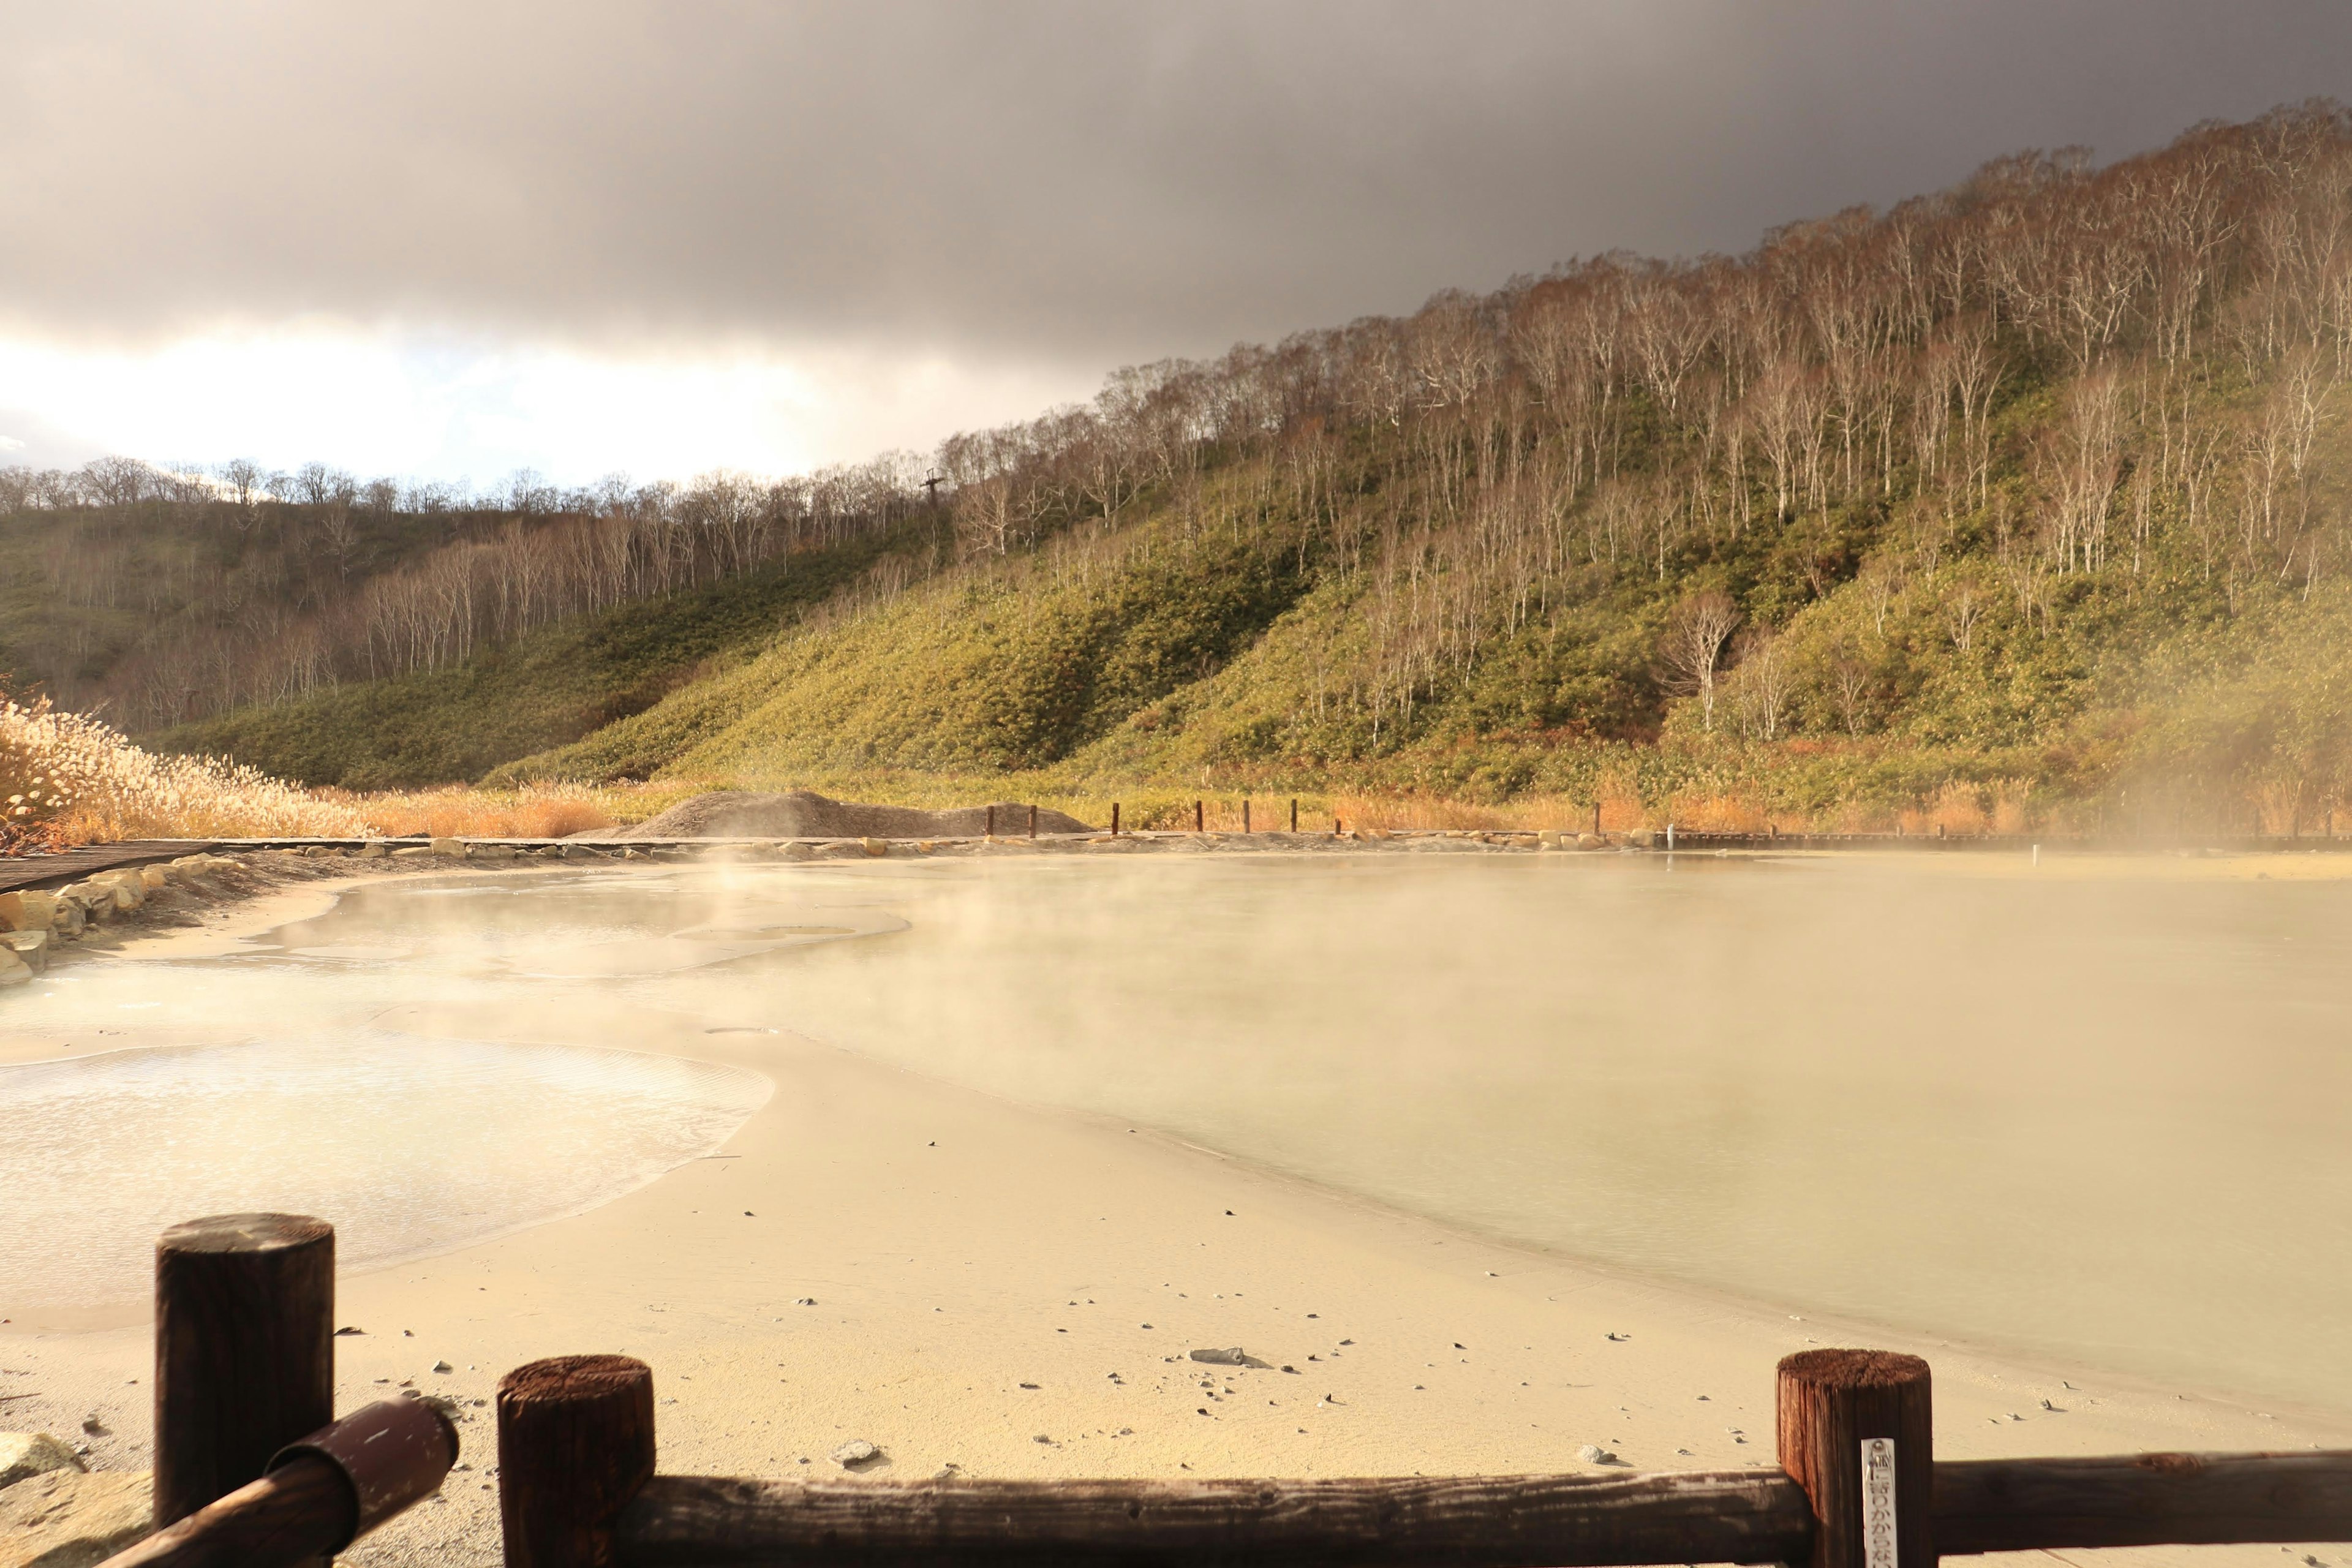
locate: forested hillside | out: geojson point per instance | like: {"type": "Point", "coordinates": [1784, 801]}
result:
{"type": "Point", "coordinates": [2026, 498]}
{"type": "Point", "coordinates": [157, 596]}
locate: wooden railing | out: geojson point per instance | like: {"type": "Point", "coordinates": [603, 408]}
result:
{"type": "Point", "coordinates": [251, 1468]}
{"type": "Point", "coordinates": [250, 1471]}
{"type": "Point", "coordinates": [1859, 1486]}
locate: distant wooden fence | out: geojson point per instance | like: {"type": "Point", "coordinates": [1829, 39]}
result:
{"type": "Point", "coordinates": [249, 1471]}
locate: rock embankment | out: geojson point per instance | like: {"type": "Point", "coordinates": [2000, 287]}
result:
{"type": "Point", "coordinates": [35, 923]}
{"type": "Point", "coordinates": [805, 814]}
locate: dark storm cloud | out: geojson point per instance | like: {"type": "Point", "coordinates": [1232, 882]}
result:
{"type": "Point", "coordinates": [1082, 181]}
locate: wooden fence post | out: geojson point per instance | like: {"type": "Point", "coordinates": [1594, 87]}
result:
{"type": "Point", "coordinates": [1857, 1435]}
{"type": "Point", "coordinates": [1033, 821]}
{"type": "Point", "coordinates": [1199, 818]}
{"type": "Point", "coordinates": [575, 1444]}
{"type": "Point", "coordinates": [1245, 827]}
{"type": "Point", "coordinates": [989, 831]}
{"type": "Point", "coordinates": [245, 1351]}
{"type": "Point", "coordinates": [1294, 814]}
{"type": "Point", "coordinates": [1114, 819]}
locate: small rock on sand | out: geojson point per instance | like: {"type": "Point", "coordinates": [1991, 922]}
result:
{"type": "Point", "coordinates": [24, 1455]}
{"type": "Point", "coordinates": [31, 948]}
{"type": "Point", "coordinates": [856, 1453]}
{"type": "Point", "coordinates": [28, 911]}
{"type": "Point", "coordinates": [1232, 1356]}
{"type": "Point", "coordinates": [1593, 1454]}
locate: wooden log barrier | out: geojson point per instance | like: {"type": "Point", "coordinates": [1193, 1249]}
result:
{"type": "Point", "coordinates": [1856, 1433]}
{"type": "Point", "coordinates": [295, 1514]}
{"type": "Point", "coordinates": [1492, 1522]}
{"type": "Point", "coordinates": [2003, 1505]}
{"type": "Point", "coordinates": [1860, 1487]}
{"type": "Point", "coordinates": [575, 1443]}
{"type": "Point", "coordinates": [245, 1357]}
{"type": "Point", "coordinates": [2142, 1499]}
{"type": "Point", "coordinates": [318, 1496]}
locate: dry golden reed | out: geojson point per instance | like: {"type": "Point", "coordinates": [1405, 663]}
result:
{"type": "Point", "coordinates": [96, 787]}
{"type": "Point", "coordinates": [534, 811]}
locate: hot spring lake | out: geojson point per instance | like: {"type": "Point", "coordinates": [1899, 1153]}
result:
{"type": "Point", "coordinates": [2091, 1113]}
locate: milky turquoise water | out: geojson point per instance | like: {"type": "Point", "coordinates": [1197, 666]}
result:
{"type": "Point", "coordinates": [2095, 1115]}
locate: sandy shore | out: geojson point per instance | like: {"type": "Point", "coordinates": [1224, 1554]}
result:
{"type": "Point", "coordinates": [965, 1281]}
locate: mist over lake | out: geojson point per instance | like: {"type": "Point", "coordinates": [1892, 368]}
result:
{"type": "Point", "coordinates": [2084, 1112]}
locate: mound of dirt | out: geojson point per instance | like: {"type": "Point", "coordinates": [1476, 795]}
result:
{"type": "Point", "coordinates": [803, 814]}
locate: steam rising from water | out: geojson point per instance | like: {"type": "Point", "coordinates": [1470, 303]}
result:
{"type": "Point", "coordinates": [2094, 1113]}
{"type": "Point", "coordinates": [2091, 1113]}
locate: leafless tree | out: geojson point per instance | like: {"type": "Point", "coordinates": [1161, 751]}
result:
{"type": "Point", "coordinates": [1851, 678]}
{"type": "Point", "coordinates": [1962, 611]}
{"type": "Point", "coordinates": [1695, 633]}
{"type": "Point", "coordinates": [1764, 679]}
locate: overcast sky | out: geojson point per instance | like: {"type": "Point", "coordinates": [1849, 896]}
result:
{"type": "Point", "coordinates": [457, 239]}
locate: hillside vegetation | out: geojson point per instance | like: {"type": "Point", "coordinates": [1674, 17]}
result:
{"type": "Point", "coordinates": [162, 596]}
{"type": "Point", "coordinates": [2025, 500]}
{"type": "Point", "coordinates": [550, 686]}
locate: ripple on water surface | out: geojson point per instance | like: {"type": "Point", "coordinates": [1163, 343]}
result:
{"type": "Point", "coordinates": [412, 1146]}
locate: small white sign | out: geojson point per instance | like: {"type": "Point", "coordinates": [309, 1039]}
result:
{"type": "Point", "coordinates": [1878, 1503]}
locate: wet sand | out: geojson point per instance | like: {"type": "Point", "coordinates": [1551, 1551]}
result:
{"type": "Point", "coordinates": [956, 1248]}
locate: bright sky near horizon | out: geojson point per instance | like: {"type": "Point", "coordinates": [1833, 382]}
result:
{"type": "Point", "coordinates": [451, 239]}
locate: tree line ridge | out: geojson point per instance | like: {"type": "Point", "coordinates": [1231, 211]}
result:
{"type": "Point", "coordinates": [2035, 483]}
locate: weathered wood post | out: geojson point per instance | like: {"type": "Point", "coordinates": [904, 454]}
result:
{"type": "Point", "coordinates": [1033, 821]}
{"type": "Point", "coordinates": [1114, 819]}
{"type": "Point", "coordinates": [245, 1350]}
{"type": "Point", "coordinates": [575, 1444]}
{"type": "Point", "coordinates": [1245, 827]}
{"type": "Point", "coordinates": [990, 831]}
{"type": "Point", "coordinates": [1857, 1435]}
{"type": "Point", "coordinates": [1294, 814]}
{"type": "Point", "coordinates": [1596, 818]}
{"type": "Point", "coordinates": [1199, 818]}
